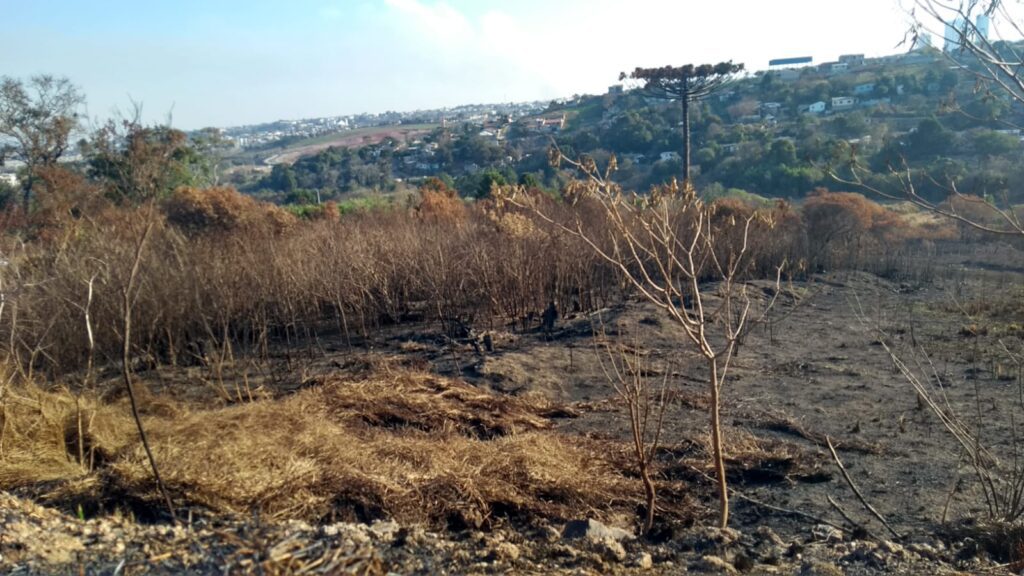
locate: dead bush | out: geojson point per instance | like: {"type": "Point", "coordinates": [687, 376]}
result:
{"type": "Point", "coordinates": [219, 209]}
{"type": "Point", "coordinates": [845, 229]}
{"type": "Point", "coordinates": [439, 203]}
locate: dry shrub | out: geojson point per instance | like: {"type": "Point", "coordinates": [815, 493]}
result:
{"type": "Point", "coordinates": [844, 227]}
{"type": "Point", "coordinates": [409, 446]}
{"type": "Point", "coordinates": [221, 209]}
{"type": "Point", "coordinates": [225, 274]}
{"type": "Point", "coordinates": [774, 235]}
{"type": "Point", "coordinates": [63, 198]}
{"type": "Point", "coordinates": [439, 203]}
{"type": "Point", "coordinates": [982, 212]}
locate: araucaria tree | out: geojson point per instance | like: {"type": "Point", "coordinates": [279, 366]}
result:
{"type": "Point", "coordinates": [36, 121]}
{"type": "Point", "coordinates": [687, 84]}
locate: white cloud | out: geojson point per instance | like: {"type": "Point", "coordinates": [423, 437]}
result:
{"type": "Point", "coordinates": [439, 21]}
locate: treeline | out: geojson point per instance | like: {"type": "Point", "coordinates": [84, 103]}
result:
{"type": "Point", "coordinates": [337, 172]}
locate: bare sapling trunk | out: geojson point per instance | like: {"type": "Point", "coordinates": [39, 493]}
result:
{"type": "Point", "coordinates": [646, 404]}
{"type": "Point", "coordinates": [129, 294]}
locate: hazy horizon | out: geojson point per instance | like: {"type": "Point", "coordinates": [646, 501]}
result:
{"type": "Point", "coordinates": [238, 63]}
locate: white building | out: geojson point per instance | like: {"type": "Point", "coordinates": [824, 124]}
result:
{"type": "Point", "coordinates": [816, 108]}
{"type": "Point", "coordinates": [788, 74]}
{"type": "Point", "coordinates": [843, 102]}
{"type": "Point", "coordinates": [953, 32]}
{"type": "Point", "coordinates": [981, 25]}
{"type": "Point", "coordinates": [9, 178]}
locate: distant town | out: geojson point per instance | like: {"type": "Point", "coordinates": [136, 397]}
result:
{"type": "Point", "coordinates": [264, 135]}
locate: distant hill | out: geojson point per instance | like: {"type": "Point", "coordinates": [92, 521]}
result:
{"type": "Point", "coordinates": [355, 138]}
{"type": "Point", "coordinates": [772, 134]}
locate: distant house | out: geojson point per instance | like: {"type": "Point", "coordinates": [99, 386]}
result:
{"type": "Point", "coordinates": [616, 90]}
{"type": "Point", "coordinates": [816, 108]}
{"type": "Point", "coordinates": [865, 88]}
{"type": "Point", "coordinates": [770, 109]}
{"type": "Point", "coordinates": [833, 67]}
{"type": "Point", "coordinates": [731, 147]}
{"type": "Point", "coordinates": [788, 74]}
{"type": "Point", "coordinates": [9, 178]}
{"type": "Point", "coordinates": [852, 60]}
{"type": "Point", "coordinates": [669, 156]}
{"type": "Point", "coordinates": [843, 103]}
{"type": "Point", "coordinates": [550, 124]}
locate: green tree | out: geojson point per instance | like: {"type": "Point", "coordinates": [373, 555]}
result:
{"type": "Point", "coordinates": [282, 178]}
{"type": "Point", "coordinates": [852, 125]}
{"type": "Point", "coordinates": [989, 143]}
{"type": "Point", "coordinates": [929, 139]}
{"type": "Point", "coordinates": [687, 84]}
{"type": "Point", "coordinates": [37, 118]}
{"type": "Point", "coordinates": [630, 132]}
{"type": "Point", "coordinates": [488, 179]}
{"type": "Point", "coordinates": [782, 153]}
{"type": "Point", "coordinates": [137, 163]}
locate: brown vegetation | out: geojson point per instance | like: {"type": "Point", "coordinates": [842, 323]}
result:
{"type": "Point", "coordinates": [398, 443]}
{"type": "Point", "coordinates": [223, 277]}
{"type": "Point", "coordinates": [224, 272]}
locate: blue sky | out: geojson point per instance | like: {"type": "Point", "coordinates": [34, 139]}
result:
{"type": "Point", "coordinates": [229, 62]}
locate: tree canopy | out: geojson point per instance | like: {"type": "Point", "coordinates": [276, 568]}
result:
{"type": "Point", "coordinates": [36, 120]}
{"type": "Point", "coordinates": [685, 83]}
{"type": "Point", "coordinates": [688, 82]}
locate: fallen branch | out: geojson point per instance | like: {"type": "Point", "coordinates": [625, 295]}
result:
{"type": "Point", "coordinates": [853, 486]}
{"type": "Point", "coordinates": [856, 525]}
{"type": "Point", "coordinates": [773, 507]}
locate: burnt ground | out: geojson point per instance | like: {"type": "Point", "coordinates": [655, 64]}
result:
{"type": "Point", "coordinates": [818, 370]}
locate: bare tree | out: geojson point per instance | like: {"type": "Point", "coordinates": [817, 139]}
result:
{"type": "Point", "coordinates": [645, 400]}
{"type": "Point", "coordinates": [972, 44]}
{"type": "Point", "coordinates": [687, 84]}
{"type": "Point", "coordinates": [975, 48]}
{"type": "Point", "coordinates": [37, 118]}
{"type": "Point", "coordinates": [129, 295]}
{"type": "Point", "coordinates": [664, 245]}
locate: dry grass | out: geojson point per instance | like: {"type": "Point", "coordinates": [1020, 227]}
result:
{"type": "Point", "coordinates": [39, 438]}
{"type": "Point", "coordinates": [750, 459]}
{"type": "Point", "coordinates": [405, 445]}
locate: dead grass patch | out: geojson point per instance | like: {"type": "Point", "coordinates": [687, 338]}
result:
{"type": "Point", "coordinates": [405, 445]}
{"type": "Point", "coordinates": [750, 460]}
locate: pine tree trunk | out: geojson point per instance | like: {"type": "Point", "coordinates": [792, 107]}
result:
{"type": "Point", "coordinates": [686, 139]}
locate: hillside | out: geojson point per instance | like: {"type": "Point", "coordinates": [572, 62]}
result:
{"type": "Point", "coordinates": [358, 137]}
{"type": "Point", "coordinates": [772, 134]}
